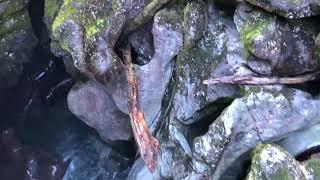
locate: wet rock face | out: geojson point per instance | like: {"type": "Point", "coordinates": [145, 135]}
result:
{"type": "Point", "coordinates": [217, 53]}
{"type": "Point", "coordinates": [91, 102]}
{"type": "Point", "coordinates": [272, 162]}
{"type": "Point", "coordinates": [274, 46]}
{"type": "Point", "coordinates": [16, 40]}
{"type": "Point", "coordinates": [21, 162]}
{"type": "Point", "coordinates": [289, 8]}
{"type": "Point", "coordinates": [262, 115]}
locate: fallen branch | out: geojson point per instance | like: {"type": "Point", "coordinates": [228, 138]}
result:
{"type": "Point", "coordinates": [261, 80]}
{"type": "Point", "coordinates": [148, 145]}
{"type": "Point", "coordinates": [148, 13]}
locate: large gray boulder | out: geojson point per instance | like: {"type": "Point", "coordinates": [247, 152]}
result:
{"type": "Point", "coordinates": [263, 115]}
{"type": "Point", "coordinates": [88, 31]}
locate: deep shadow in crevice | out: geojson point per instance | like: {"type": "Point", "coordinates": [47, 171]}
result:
{"type": "Point", "coordinates": [207, 116]}
{"type": "Point", "coordinates": [308, 153]}
{"type": "Point", "coordinates": [36, 12]}
{"type": "Point", "coordinates": [312, 87]}
{"type": "Point", "coordinates": [240, 169]}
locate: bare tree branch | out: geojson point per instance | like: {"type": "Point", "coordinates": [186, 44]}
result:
{"type": "Point", "coordinates": [148, 145]}
{"type": "Point", "coordinates": [261, 80]}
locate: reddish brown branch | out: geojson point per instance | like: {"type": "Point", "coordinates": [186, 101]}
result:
{"type": "Point", "coordinates": [148, 145]}
{"type": "Point", "coordinates": [260, 80]}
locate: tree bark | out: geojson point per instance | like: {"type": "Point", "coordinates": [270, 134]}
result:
{"type": "Point", "coordinates": [148, 145]}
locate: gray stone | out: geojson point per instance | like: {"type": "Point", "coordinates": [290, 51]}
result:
{"type": "Point", "coordinates": [289, 8]}
{"type": "Point", "coordinates": [95, 160]}
{"type": "Point", "coordinates": [263, 115]}
{"type": "Point", "coordinates": [300, 141]}
{"type": "Point", "coordinates": [91, 103]}
{"type": "Point", "coordinates": [274, 46]}
{"type": "Point", "coordinates": [272, 162]}
{"type": "Point", "coordinates": [218, 53]}
{"type": "Point", "coordinates": [195, 22]}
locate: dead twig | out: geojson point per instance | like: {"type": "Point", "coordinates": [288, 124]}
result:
{"type": "Point", "coordinates": [263, 80]}
{"type": "Point", "coordinates": [148, 145]}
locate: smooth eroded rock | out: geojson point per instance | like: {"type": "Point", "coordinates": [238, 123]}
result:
{"type": "Point", "coordinates": [91, 103]}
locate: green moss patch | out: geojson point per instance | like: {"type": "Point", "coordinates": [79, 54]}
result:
{"type": "Point", "coordinates": [281, 174]}
{"type": "Point", "coordinates": [314, 165]}
{"type": "Point", "coordinates": [18, 21]}
{"type": "Point", "coordinates": [95, 27]}
{"type": "Point", "coordinates": [249, 33]}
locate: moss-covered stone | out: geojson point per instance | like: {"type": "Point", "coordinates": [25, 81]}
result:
{"type": "Point", "coordinates": [270, 161]}
{"type": "Point", "coordinates": [249, 33]}
{"type": "Point", "coordinates": [67, 9]}
{"type": "Point", "coordinates": [15, 22]}
{"type": "Point", "coordinates": [16, 40]}
{"type": "Point", "coordinates": [289, 8]}
{"type": "Point", "coordinates": [314, 166]}
{"type": "Point", "coordinates": [92, 15]}
{"type": "Point", "coordinates": [10, 7]}
{"type": "Point", "coordinates": [281, 174]}
{"type": "Point", "coordinates": [95, 27]}
{"type": "Point", "coordinates": [51, 10]}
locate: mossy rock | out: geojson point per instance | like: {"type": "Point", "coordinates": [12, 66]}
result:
{"type": "Point", "coordinates": [313, 166]}
{"type": "Point", "coordinates": [275, 46]}
{"type": "Point", "coordinates": [92, 14]}
{"type": "Point", "coordinates": [250, 33]}
{"type": "Point", "coordinates": [17, 40]}
{"type": "Point", "coordinates": [272, 162]}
